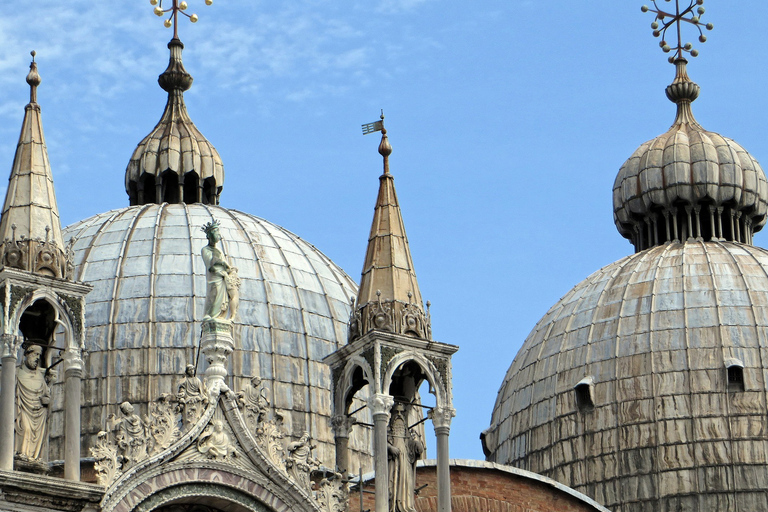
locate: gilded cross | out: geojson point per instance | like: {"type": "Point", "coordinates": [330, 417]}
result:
{"type": "Point", "coordinates": [177, 7]}
{"type": "Point", "coordinates": [669, 19]}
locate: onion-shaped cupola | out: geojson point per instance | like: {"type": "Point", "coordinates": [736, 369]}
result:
{"type": "Point", "coordinates": [689, 183]}
{"type": "Point", "coordinates": [175, 163]}
{"type": "Point", "coordinates": [30, 229]}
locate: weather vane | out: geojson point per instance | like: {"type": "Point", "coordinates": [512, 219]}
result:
{"type": "Point", "coordinates": [664, 20]}
{"type": "Point", "coordinates": [174, 10]}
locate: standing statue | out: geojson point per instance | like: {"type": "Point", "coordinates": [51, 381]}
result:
{"type": "Point", "coordinates": [403, 450]}
{"type": "Point", "coordinates": [254, 402]}
{"type": "Point", "coordinates": [222, 292]}
{"type": "Point", "coordinates": [33, 396]}
{"type": "Point", "coordinates": [132, 435]}
{"type": "Point", "coordinates": [192, 396]}
{"type": "Point", "coordinates": [300, 462]}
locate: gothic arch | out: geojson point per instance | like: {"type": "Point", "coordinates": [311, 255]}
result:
{"type": "Point", "coordinates": [346, 387]}
{"type": "Point", "coordinates": [429, 370]}
{"type": "Point", "coordinates": [63, 316]}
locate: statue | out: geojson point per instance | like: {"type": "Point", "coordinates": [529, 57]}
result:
{"type": "Point", "coordinates": [300, 461]}
{"type": "Point", "coordinates": [214, 441]}
{"type": "Point", "coordinates": [254, 402]}
{"type": "Point", "coordinates": [403, 450]}
{"type": "Point", "coordinates": [192, 396]}
{"type": "Point", "coordinates": [33, 395]}
{"type": "Point", "coordinates": [222, 292]}
{"type": "Point", "coordinates": [132, 435]}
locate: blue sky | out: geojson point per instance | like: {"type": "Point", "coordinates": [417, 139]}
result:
{"type": "Point", "coordinates": [509, 121]}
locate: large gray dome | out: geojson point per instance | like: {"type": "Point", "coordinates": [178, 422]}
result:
{"type": "Point", "coordinates": [143, 315]}
{"type": "Point", "coordinates": [622, 390]}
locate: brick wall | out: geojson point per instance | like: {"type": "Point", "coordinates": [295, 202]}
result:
{"type": "Point", "coordinates": [488, 489]}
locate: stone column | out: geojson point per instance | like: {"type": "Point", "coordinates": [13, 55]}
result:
{"type": "Point", "coordinates": [441, 419]}
{"type": "Point", "coordinates": [217, 344]}
{"type": "Point", "coordinates": [342, 426]}
{"type": "Point", "coordinates": [380, 406]}
{"type": "Point", "coordinates": [9, 347]}
{"type": "Point", "coordinates": [73, 371]}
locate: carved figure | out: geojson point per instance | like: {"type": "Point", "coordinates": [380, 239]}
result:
{"type": "Point", "coordinates": [403, 450]}
{"type": "Point", "coordinates": [214, 441]}
{"type": "Point", "coordinates": [132, 435]}
{"type": "Point", "coordinates": [192, 396]}
{"type": "Point", "coordinates": [33, 396]}
{"type": "Point", "coordinates": [254, 402]}
{"type": "Point", "coordinates": [300, 461]}
{"type": "Point", "coordinates": [222, 292]}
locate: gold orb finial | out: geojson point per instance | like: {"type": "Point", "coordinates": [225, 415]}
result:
{"type": "Point", "coordinates": [177, 7]}
{"type": "Point", "coordinates": [665, 20]}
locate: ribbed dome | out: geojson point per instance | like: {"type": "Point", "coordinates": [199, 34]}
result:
{"type": "Point", "coordinates": [143, 315]}
{"type": "Point", "coordinates": [175, 163]}
{"type": "Point", "coordinates": [623, 389]}
{"type": "Point", "coordinates": [689, 183]}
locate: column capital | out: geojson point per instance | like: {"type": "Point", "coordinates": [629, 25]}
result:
{"type": "Point", "coordinates": [380, 404]}
{"type": "Point", "coordinates": [441, 417]}
{"type": "Point", "coordinates": [341, 424]}
{"type": "Point", "coordinates": [9, 345]}
{"type": "Point", "coordinates": [73, 362]}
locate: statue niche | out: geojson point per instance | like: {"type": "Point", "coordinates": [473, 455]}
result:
{"type": "Point", "coordinates": [33, 396]}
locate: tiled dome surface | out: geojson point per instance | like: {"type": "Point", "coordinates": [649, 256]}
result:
{"type": "Point", "coordinates": [143, 315]}
{"type": "Point", "coordinates": [654, 331]}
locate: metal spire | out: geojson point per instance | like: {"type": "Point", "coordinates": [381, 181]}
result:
{"type": "Point", "coordinates": [665, 20]}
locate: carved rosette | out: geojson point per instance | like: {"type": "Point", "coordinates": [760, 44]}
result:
{"type": "Point", "coordinates": [390, 316]}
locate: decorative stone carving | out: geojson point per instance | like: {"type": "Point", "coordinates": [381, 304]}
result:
{"type": "Point", "coordinates": [163, 423]}
{"type": "Point", "coordinates": [33, 396]}
{"type": "Point", "coordinates": [131, 436]}
{"type": "Point", "coordinates": [390, 316]}
{"type": "Point", "coordinates": [215, 442]}
{"type": "Point", "coordinates": [404, 448]}
{"type": "Point", "coordinates": [441, 417]}
{"type": "Point", "coordinates": [222, 293]}
{"type": "Point", "coordinates": [300, 462]}
{"type": "Point", "coordinates": [107, 463]}
{"type": "Point", "coordinates": [41, 256]}
{"type": "Point", "coordinates": [192, 397]}
{"type": "Point", "coordinates": [341, 424]}
{"type": "Point", "coordinates": [332, 494]}
{"type": "Point", "coordinates": [254, 403]}
{"type": "Point", "coordinates": [380, 404]}
{"type": "Point", "coordinates": [268, 435]}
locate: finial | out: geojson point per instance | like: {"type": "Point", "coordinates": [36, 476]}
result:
{"type": "Point", "coordinates": [660, 26]}
{"type": "Point", "coordinates": [174, 10]}
{"type": "Point", "coordinates": [33, 78]}
{"type": "Point", "coordinates": [385, 149]}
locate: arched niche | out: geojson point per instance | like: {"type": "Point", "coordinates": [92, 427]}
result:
{"type": "Point", "coordinates": [405, 373]}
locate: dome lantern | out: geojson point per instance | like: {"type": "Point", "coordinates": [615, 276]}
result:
{"type": "Point", "coordinates": [175, 163]}
{"type": "Point", "coordinates": [688, 183]}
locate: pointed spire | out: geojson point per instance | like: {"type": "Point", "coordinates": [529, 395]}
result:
{"type": "Point", "coordinates": [30, 229]}
{"type": "Point", "coordinates": [175, 163]}
{"type": "Point", "coordinates": [389, 298]}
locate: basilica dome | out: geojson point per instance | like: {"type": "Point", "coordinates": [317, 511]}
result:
{"type": "Point", "coordinates": [143, 315]}
{"type": "Point", "coordinates": [644, 387]}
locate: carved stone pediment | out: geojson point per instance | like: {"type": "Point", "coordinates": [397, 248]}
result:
{"type": "Point", "coordinates": [220, 449]}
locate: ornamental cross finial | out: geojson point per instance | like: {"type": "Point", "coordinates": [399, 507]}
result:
{"type": "Point", "coordinates": [664, 20]}
{"type": "Point", "coordinates": [177, 6]}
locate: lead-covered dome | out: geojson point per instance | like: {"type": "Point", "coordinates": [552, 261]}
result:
{"type": "Point", "coordinates": [645, 386]}
{"type": "Point", "coordinates": [689, 182]}
{"type": "Point", "coordinates": [143, 315]}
